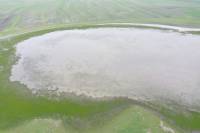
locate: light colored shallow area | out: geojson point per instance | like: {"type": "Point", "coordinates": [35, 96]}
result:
{"type": "Point", "coordinates": [128, 62]}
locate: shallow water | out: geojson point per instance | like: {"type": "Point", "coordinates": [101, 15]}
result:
{"type": "Point", "coordinates": [135, 63]}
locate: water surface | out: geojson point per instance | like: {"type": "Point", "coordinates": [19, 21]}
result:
{"type": "Point", "coordinates": [136, 63]}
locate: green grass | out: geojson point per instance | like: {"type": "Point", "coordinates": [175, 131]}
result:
{"type": "Point", "coordinates": [134, 119]}
{"type": "Point", "coordinates": [22, 15]}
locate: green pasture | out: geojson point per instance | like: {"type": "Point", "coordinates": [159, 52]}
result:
{"type": "Point", "coordinates": [22, 15]}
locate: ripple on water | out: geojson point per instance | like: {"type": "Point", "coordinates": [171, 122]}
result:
{"type": "Point", "coordinates": [130, 62]}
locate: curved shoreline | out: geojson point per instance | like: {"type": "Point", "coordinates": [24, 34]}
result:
{"type": "Point", "coordinates": [161, 26]}
{"type": "Point", "coordinates": [86, 91]}
{"type": "Point", "coordinates": [146, 25]}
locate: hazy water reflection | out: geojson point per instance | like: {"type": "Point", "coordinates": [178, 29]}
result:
{"type": "Point", "coordinates": [136, 63]}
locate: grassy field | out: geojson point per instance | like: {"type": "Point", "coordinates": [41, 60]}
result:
{"type": "Point", "coordinates": [22, 15]}
{"type": "Point", "coordinates": [20, 111]}
{"type": "Point", "coordinates": [132, 120]}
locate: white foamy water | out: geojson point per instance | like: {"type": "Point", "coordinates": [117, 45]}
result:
{"type": "Point", "coordinates": [134, 63]}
